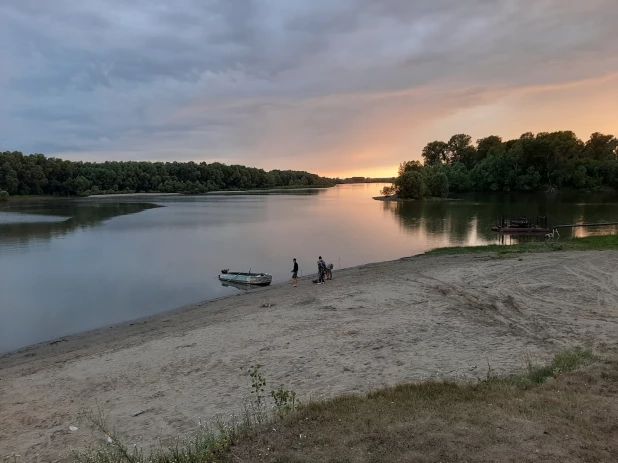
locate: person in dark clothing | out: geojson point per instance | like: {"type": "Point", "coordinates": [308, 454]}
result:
{"type": "Point", "coordinates": [321, 270]}
{"type": "Point", "coordinates": [329, 272]}
{"type": "Point", "coordinates": [295, 272]}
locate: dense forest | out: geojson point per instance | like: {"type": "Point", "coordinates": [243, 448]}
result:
{"type": "Point", "coordinates": [545, 161]}
{"type": "Point", "coordinates": [39, 175]}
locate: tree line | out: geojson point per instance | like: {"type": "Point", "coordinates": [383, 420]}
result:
{"type": "Point", "coordinates": [39, 175]}
{"type": "Point", "coordinates": [365, 180]}
{"type": "Point", "coordinates": [546, 161]}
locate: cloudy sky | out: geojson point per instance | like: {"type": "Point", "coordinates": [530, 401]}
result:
{"type": "Point", "coordinates": [337, 87]}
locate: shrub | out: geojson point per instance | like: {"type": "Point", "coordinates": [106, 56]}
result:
{"type": "Point", "coordinates": [4, 195]}
{"type": "Point", "coordinates": [387, 191]}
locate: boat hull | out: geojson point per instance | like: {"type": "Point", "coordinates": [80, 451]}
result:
{"type": "Point", "coordinates": [256, 279]}
{"type": "Point", "coordinates": [522, 231]}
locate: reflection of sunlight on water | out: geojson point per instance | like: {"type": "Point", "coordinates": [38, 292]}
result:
{"type": "Point", "coordinates": [583, 232]}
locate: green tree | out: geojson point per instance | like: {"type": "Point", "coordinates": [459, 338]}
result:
{"type": "Point", "coordinates": [460, 149]}
{"type": "Point", "coordinates": [483, 145]}
{"type": "Point", "coordinates": [411, 185]}
{"type": "Point", "coordinates": [437, 181]}
{"type": "Point", "coordinates": [528, 181]}
{"type": "Point", "coordinates": [435, 152]}
{"type": "Point", "coordinates": [459, 179]}
{"type": "Point", "coordinates": [601, 147]}
{"type": "Point", "coordinates": [410, 166]}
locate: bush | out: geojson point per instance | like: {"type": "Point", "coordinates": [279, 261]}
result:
{"type": "Point", "coordinates": [387, 191]}
{"type": "Point", "coordinates": [4, 195]}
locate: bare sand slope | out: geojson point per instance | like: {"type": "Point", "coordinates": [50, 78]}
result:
{"type": "Point", "coordinates": [372, 325]}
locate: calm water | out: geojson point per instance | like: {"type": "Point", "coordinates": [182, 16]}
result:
{"type": "Point", "coordinates": [71, 265]}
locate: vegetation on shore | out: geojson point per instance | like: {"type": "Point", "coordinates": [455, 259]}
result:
{"type": "Point", "coordinates": [545, 161]}
{"type": "Point", "coordinates": [38, 175]}
{"type": "Point", "coordinates": [426, 421]}
{"type": "Point", "coordinates": [545, 414]}
{"type": "Point", "coordinates": [589, 243]}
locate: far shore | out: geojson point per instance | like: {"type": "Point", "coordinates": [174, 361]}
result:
{"type": "Point", "coordinates": [403, 200]}
{"type": "Point", "coordinates": [218, 192]}
{"type": "Point", "coordinates": [120, 194]}
{"type": "Point", "coordinates": [130, 195]}
{"type": "Point", "coordinates": [428, 316]}
{"type": "Point", "coordinates": [270, 190]}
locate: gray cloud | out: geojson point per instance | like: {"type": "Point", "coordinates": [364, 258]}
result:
{"type": "Point", "coordinates": [275, 81]}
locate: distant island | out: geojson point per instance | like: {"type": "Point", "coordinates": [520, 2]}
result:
{"type": "Point", "coordinates": [37, 174]}
{"type": "Point", "coordinates": [547, 161]}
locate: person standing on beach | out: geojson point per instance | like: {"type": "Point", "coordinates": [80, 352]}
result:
{"type": "Point", "coordinates": [321, 270]}
{"type": "Point", "coordinates": [295, 272]}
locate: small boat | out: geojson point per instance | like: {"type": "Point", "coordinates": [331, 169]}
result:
{"type": "Point", "coordinates": [522, 226]}
{"type": "Point", "coordinates": [247, 278]}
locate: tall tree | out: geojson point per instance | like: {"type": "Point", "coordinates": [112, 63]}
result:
{"type": "Point", "coordinates": [410, 166]}
{"type": "Point", "coordinates": [483, 145]}
{"type": "Point", "coordinates": [460, 149]}
{"type": "Point", "coordinates": [601, 147]}
{"type": "Point", "coordinates": [435, 152]}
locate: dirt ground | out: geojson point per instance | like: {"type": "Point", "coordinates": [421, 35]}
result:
{"type": "Point", "coordinates": [374, 325]}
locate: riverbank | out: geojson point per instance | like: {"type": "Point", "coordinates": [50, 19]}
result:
{"type": "Point", "coordinates": [133, 195]}
{"type": "Point", "coordinates": [270, 190]}
{"type": "Point", "coordinates": [395, 199]}
{"type": "Point", "coordinates": [289, 189]}
{"type": "Point", "coordinates": [375, 325]}
{"type": "Point", "coordinates": [120, 194]}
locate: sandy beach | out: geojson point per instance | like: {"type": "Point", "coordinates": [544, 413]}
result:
{"type": "Point", "coordinates": [373, 325]}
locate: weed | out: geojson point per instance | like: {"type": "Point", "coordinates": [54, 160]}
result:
{"type": "Point", "coordinates": [258, 383]}
{"type": "Point", "coordinates": [285, 401]}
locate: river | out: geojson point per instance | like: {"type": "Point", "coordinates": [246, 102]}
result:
{"type": "Point", "coordinates": [70, 265]}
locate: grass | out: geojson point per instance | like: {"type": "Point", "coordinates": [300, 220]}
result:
{"type": "Point", "coordinates": [564, 411]}
{"type": "Point", "coordinates": [590, 243]}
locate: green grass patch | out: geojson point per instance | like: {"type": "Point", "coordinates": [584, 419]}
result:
{"type": "Point", "coordinates": [590, 243]}
{"type": "Point", "coordinates": [562, 363]}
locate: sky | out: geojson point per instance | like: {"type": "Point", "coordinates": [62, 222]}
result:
{"type": "Point", "coordinates": [335, 87]}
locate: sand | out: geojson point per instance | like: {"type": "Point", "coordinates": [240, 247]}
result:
{"type": "Point", "coordinates": [374, 325]}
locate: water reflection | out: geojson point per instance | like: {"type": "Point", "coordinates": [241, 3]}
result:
{"type": "Point", "coordinates": [468, 220]}
{"type": "Point", "coordinates": [239, 286]}
{"type": "Point", "coordinates": [456, 221]}
{"type": "Point", "coordinates": [51, 219]}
